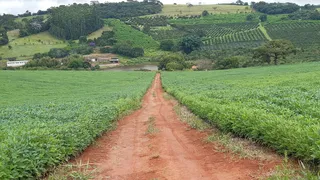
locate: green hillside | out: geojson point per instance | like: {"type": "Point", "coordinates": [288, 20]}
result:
{"type": "Point", "coordinates": [27, 46]}
{"type": "Point", "coordinates": [179, 9]}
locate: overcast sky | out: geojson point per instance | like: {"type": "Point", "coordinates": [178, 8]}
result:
{"type": "Point", "coordinates": [20, 6]}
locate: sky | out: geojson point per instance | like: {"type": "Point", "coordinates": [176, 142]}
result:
{"type": "Point", "coordinates": [20, 6]}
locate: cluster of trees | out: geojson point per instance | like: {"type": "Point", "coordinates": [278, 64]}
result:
{"type": "Point", "coordinates": [188, 44]}
{"type": "Point", "coordinates": [128, 9]}
{"type": "Point", "coordinates": [274, 51]}
{"type": "Point", "coordinates": [71, 62]}
{"type": "Point", "coordinates": [7, 22]}
{"type": "Point", "coordinates": [126, 49]}
{"type": "Point", "coordinates": [305, 15]}
{"type": "Point", "coordinates": [33, 26]}
{"type": "Point", "coordinates": [172, 63]}
{"type": "Point", "coordinates": [275, 8]}
{"type": "Point", "coordinates": [106, 39]}
{"type": "Point", "coordinates": [72, 22]}
{"type": "Point", "coordinates": [3, 37]}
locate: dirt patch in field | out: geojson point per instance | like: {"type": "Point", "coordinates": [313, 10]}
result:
{"type": "Point", "coordinates": [152, 143]}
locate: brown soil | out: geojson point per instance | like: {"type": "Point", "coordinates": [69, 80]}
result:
{"type": "Point", "coordinates": [171, 151]}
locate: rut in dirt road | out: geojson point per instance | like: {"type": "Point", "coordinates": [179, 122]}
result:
{"type": "Point", "coordinates": [152, 143]}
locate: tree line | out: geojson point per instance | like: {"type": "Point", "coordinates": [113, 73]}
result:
{"type": "Point", "coordinates": [275, 8]}
{"type": "Point", "coordinates": [72, 22]}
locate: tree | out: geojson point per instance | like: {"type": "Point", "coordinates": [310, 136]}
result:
{"type": "Point", "coordinates": [205, 13]}
{"type": "Point", "coordinates": [250, 17]}
{"type": "Point", "coordinates": [10, 47]}
{"type": "Point", "coordinates": [239, 2]}
{"type": "Point", "coordinates": [3, 37]}
{"type": "Point", "coordinates": [167, 45]}
{"type": "Point", "coordinates": [263, 18]}
{"type": "Point", "coordinates": [83, 40]}
{"type": "Point", "coordinates": [146, 28]}
{"type": "Point", "coordinates": [172, 62]}
{"type": "Point", "coordinates": [190, 43]}
{"type": "Point", "coordinates": [275, 49]}
{"type": "Point", "coordinates": [228, 63]}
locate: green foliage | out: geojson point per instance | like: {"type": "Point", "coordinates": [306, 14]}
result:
{"type": "Point", "coordinates": [107, 38]}
{"type": "Point", "coordinates": [74, 21]}
{"type": "Point", "coordinates": [83, 40]}
{"type": "Point", "coordinates": [127, 50]}
{"type": "Point", "coordinates": [44, 61]}
{"type": "Point", "coordinates": [56, 115]}
{"type": "Point", "coordinates": [7, 22]}
{"type": "Point", "coordinates": [190, 43]}
{"type": "Point", "coordinates": [58, 53]}
{"type": "Point", "coordinates": [172, 62]}
{"type": "Point", "coordinates": [205, 13]}
{"type": "Point", "coordinates": [277, 106]}
{"type": "Point", "coordinates": [275, 49]}
{"type": "Point", "coordinates": [167, 45]}
{"type": "Point", "coordinates": [251, 17]}
{"type": "Point", "coordinates": [263, 17]}
{"type": "Point", "coordinates": [3, 37]}
{"type": "Point", "coordinates": [228, 63]}
{"type": "Point", "coordinates": [275, 8]}
{"type": "Point", "coordinates": [33, 26]}
{"type": "Point", "coordinates": [305, 15]}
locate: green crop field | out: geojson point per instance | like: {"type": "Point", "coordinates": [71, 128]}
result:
{"type": "Point", "coordinates": [172, 10]}
{"type": "Point", "coordinates": [48, 116]}
{"type": "Point", "coordinates": [30, 45]}
{"type": "Point", "coordinates": [276, 106]}
{"type": "Point", "coordinates": [125, 33]}
{"type": "Point", "coordinates": [302, 34]}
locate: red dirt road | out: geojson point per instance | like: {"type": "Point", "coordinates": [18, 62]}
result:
{"type": "Point", "coordinates": [172, 151]}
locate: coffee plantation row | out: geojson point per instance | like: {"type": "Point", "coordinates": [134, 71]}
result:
{"type": "Point", "coordinates": [302, 34]}
{"type": "Point", "coordinates": [47, 117]}
{"type": "Point", "coordinates": [276, 106]}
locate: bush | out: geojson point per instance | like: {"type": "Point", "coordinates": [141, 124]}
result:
{"type": "Point", "coordinates": [43, 62]}
{"type": "Point", "coordinates": [83, 49]}
{"type": "Point", "coordinates": [39, 55]}
{"type": "Point", "coordinates": [58, 53]}
{"type": "Point", "coordinates": [105, 50]}
{"type": "Point", "coordinates": [167, 45]}
{"type": "Point", "coordinates": [127, 50]}
{"type": "Point", "coordinates": [172, 62]}
{"type": "Point", "coordinates": [205, 13]}
{"type": "Point", "coordinates": [228, 63]}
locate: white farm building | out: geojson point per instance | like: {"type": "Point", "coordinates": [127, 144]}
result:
{"type": "Point", "coordinates": [16, 63]}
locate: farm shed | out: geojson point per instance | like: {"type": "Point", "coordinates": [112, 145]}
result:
{"type": "Point", "coordinates": [114, 60]}
{"type": "Point", "coordinates": [16, 63]}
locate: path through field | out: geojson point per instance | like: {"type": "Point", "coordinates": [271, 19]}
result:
{"type": "Point", "coordinates": [152, 143]}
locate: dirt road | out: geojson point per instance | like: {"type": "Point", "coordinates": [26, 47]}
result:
{"type": "Point", "coordinates": [152, 143]}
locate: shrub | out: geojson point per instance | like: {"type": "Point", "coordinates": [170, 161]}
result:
{"type": "Point", "coordinates": [58, 53]}
{"type": "Point", "coordinates": [167, 45]}
{"type": "Point", "coordinates": [228, 63]}
{"type": "Point", "coordinates": [172, 62]}
{"type": "Point", "coordinates": [205, 13]}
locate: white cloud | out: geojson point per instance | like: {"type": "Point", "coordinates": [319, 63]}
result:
{"type": "Point", "coordinates": [20, 6]}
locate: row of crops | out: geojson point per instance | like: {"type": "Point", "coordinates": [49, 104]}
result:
{"type": "Point", "coordinates": [252, 35]}
{"type": "Point", "coordinates": [214, 30]}
{"type": "Point", "coordinates": [276, 106]}
{"type": "Point", "coordinates": [300, 33]}
{"type": "Point", "coordinates": [47, 117]}
{"type": "Point", "coordinates": [233, 45]}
